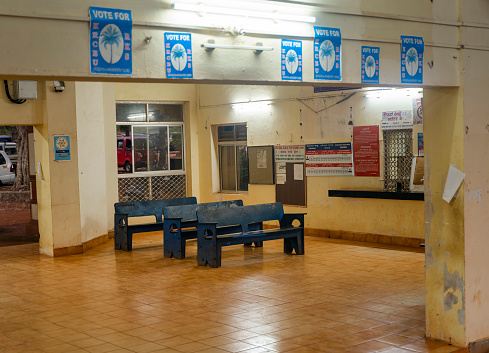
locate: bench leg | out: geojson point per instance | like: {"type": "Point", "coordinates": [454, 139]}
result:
{"type": "Point", "coordinates": [294, 244]}
{"type": "Point", "coordinates": [174, 246]}
{"type": "Point", "coordinates": [208, 253]}
{"type": "Point", "coordinates": [126, 241]}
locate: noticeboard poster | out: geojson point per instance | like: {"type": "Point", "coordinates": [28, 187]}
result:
{"type": "Point", "coordinates": [329, 159]}
{"type": "Point", "coordinates": [366, 151]}
{"type": "Point", "coordinates": [412, 51]}
{"type": "Point", "coordinates": [399, 119]}
{"type": "Point", "coordinates": [290, 153]}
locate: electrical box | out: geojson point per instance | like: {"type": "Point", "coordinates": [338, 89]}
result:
{"type": "Point", "coordinates": [25, 90]}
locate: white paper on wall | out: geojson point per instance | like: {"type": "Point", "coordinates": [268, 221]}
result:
{"type": "Point", "coordinates": [281, 179]}
{"type": "Point", "coordinates": [454, 180]}
{"type": "Point", "coordinates": [281, 168]}
{"type": "Point", "coordinates": [298, 172]}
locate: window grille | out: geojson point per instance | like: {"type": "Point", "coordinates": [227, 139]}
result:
{"type": "Point", "coordinates": [152, 188]}
{"type": "Point", "coordinates": [398, 155]}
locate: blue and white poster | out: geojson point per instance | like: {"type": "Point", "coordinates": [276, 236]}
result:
{"type": "Point", "coordinates": [110, 41]}
{"type": "Point", "coordinates": [370, 64]}
{"type": "Point", "coordinates": [178, 55]}
{"type": "Point", "coordinates": [62, 148]}
{"type": "Point", "coordinates": [291, 57]}
{"type": "Point", "coordinates": [412, 49]}
{"type": "Point", "coordinates": [327, 53]}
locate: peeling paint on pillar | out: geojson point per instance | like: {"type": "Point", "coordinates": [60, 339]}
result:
{"type": "Point", "coordinates": [451, 284]}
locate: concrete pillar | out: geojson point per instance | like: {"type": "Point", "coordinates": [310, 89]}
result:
{"type": "Point", "coordinates": [58, 192]}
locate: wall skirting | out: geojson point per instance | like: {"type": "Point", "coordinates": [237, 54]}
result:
{"type": "Point", "coordinates": [363, 237]}
{"type": "Point", "coordinates": [79, 249]}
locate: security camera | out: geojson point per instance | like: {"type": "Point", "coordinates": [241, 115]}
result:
{"type": "Point", "coordinates": [59, 86]}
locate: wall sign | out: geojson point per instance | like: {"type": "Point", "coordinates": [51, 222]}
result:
{"type": "Point", "coordinates": [291, 56]}
{"type": "Point", "coordinates": [110, 41]}
{"type": "Point", "coordinates": [329, 159]}
{"type": "Point", "coordinates": [290, 153]}
{"type": "Point", "coordinates": [327, 53]}
{"type": "Point", "coordinates": [418, 110]}
{"type": "Point", "coordinates": [366, 150]}
{"type": "Point", "coordinates": [370, 64]}
{"type": "Point", "coordinates": [399, 119]}
{"type": "Point", "coordinates": [62, 148]}
{"type": "Point", "coordinates": [412, 49]}
{"type": "Point", "coordinates": [178, 55]}
{"type": "Point", "coordinates": [420, 144]}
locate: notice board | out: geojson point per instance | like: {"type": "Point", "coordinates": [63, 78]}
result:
{"type": "Point", "coordinates": [366, 151]}
{"type": "Point", "coordinates": [290, 188]}
{"type": "Point", "coordinates": [329, 159]}
{"type": "Point", "coordinates": [261, 167]}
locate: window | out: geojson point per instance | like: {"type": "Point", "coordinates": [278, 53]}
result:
{"type": "Point", "coordinates": [150, 151]}
{"type": "Point", "coordinates": [233, 158]}
{"type": "Point", "coordinates": [398, 156]}
{"type": "Point", "coordinates": [149, 137]}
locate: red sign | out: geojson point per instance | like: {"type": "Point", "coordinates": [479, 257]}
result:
{"type": "Point", "coordinates": [366, 151]}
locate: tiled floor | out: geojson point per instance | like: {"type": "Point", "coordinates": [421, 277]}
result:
{"type": "Point", "coordinates": [339, 297]}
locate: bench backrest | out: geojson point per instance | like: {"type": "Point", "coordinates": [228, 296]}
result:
{"type": "Point", "coordinates": [243, 216]}
{"type": "Point", "coordinates": [151, 207]}
{"type": "Point", "coordinates": [188, 213]}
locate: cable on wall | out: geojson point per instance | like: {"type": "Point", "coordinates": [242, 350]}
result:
{"type": "Point", "coordinates": [16, 101]}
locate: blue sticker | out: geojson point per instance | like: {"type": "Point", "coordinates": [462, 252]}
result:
{"type": "Point", "coordinates": [291, 60]}
{"type": "Point", "coordinates": [370, 64]}
{"type": "Point", "coordinates": [412, 49]}
{"type": "Point", "coordinates": [62, 149]}
{"type": "Point", "coordinates": [327, 53]}
{"type": "Point", "coordinates": [178, 55]}
{"type": "Point", "coordinates": [110, 41]}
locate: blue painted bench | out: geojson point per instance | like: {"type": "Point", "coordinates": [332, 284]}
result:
{"type": "Point", "coordinates": [180, 224]}
{"type": "Point", "coordinates": [237, 225]}
{"type": "Point", "coordinates": [124, 210]}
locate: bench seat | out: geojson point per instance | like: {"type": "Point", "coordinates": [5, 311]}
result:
{"type": "Point", "coordinates": [238, 225]}
{"type": "Point", "coordinates": [123, 231]}
{"type": "Point", "coordinates": [180, 225]}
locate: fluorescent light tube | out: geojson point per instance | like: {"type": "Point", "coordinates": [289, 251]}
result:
{"type": "Point", "coordinates": [245, 47]}
{"type": "Point", "coordinates": [243, 13]}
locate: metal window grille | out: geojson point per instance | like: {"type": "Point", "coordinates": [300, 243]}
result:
{"type": "Point", "coordinates": [398, 155]}
{"type": "Point", "coordinates": [152, 188]}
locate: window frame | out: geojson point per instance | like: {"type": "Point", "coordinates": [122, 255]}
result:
{"type": "Point", "coordinates": [234, 144]}
{"type": "Point", "coordinates": [146, 124]}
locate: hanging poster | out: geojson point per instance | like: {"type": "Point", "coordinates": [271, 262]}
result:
{"type": "Point", "coordinates": [329, 159]}
{"type": "Point", "coordinates": [327, 53]}
{"type": "Point", "coordinates": [110, 41]}
{"type": "Point", "coordinates": [418, 110]}
{"type": "Point", "coordinates": [295, 153]}
{"type": "Point", "coordinates": [366, 150]}
{"type": "Point", "coordinates": [370, 64]}
{"type": "Point", "coordinates": [420, 144]}
{"type": "Point", "coordinates": [62, 148]}
{"type": "Point", "coordinates": [178, 55]}
{"type": "Point", "coordinates": [412, 49]}
{"type": "Point", "coordinates": [291, 56]}
{"type": "Point", "coordinates": [399, 119]}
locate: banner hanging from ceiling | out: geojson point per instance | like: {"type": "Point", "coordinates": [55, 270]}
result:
{"type": "Point", "coordinates": [110, 41]}
{"type": "Point", "coordinates": [412, 50]}
{"type": "Point", "coordinates": [370, 64]}
{"type": "Point", "coordinates": [178, 55]}
{"type": "Point", "coordinates": [327, 53]}
{"type": "Point", "coordinates": [291, 60]}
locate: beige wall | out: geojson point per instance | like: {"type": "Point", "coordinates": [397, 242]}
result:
{"type": "Point", "coordinates": [36, 47]}
{"type": "Point", "coordinates": [274, 116]}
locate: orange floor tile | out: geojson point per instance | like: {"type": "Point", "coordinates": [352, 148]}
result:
{"type": "Point", "coordinates": [339, 297]}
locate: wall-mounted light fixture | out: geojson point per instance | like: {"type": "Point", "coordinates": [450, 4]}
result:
{"type": "Point", "coordinates": [257, 48]}
{"type": "Point", "coordinates": [243, 13]}
{"type": "Point", "coordinates": [393, 93]}
{"type": "Point", "coordinates": [59, 86]}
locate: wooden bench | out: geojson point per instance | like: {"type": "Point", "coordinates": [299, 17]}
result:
{"type": "Point", "coordinates": [237, 225]}
{"type": "Point", "coordinates": [124, 210]}
{"type": "Point", "coordinates": [180, 224]}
